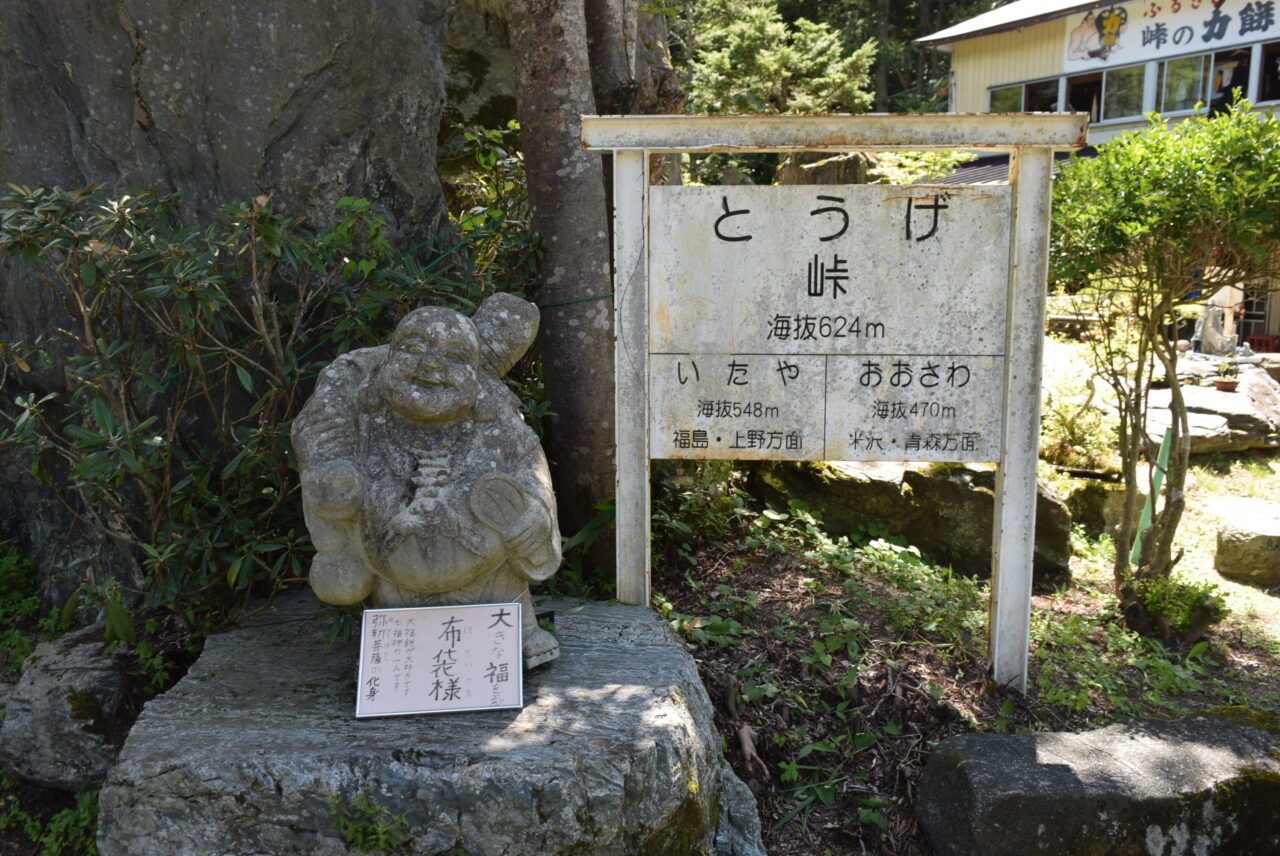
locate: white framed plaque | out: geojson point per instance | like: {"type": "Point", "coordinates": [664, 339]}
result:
{"type": "Point", "coordinates": [440, 659]}
{"type": "Point", "coordinates": [830, 323]}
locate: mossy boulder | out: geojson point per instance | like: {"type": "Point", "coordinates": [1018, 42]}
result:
{"type": "Point", "coordinates": [69, 713]}
{"type": "Point", "coordinates": [1248, 546]}
{"type": "Point", "coordinates": [947, 510]}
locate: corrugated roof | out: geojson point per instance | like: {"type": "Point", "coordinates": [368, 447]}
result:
{"type": "Point", "coordinates": [1011, 16]}
{"type": "Point", "coordinates": [994, 169]}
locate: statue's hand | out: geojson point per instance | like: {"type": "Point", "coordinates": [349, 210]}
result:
{"type": "Point", "coordinates": [524, 525]}
{"type": "Point", "coordinates": [340, 577]}
{"type": "Point", "coordinates": [334, 489]}
{"type": "Point", "coordinates": [529, 542]}
{"type": "Point", "coordinates": [529, 535]}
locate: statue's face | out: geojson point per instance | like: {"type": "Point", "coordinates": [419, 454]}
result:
{"type": "Point", "coordinates": [430, 375]}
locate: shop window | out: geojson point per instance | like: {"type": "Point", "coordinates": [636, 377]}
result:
{"type": "Point", "coordinates": [1254, 320]}
{"type": "Point", "coordinates": [1182, 83]}
{"type": "Point", "coordinates": [1041, 97]}
{"type": "Point", "coordinates": [1270, 72]}
{"type": "Point", "coordinates": [1122, 92]}
{"type": "Point", "coordinates": [1007, 99]}
{"type": "Point", "coordinates": [1230, 76]}
{"type": "Point", "coordinates": [1084, 95]}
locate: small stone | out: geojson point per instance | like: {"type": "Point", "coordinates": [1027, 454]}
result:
{"type": "Point", "coordinates": [67, 717]}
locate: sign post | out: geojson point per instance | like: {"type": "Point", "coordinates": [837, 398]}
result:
{"type": "Point", "coordinates": [849, 322]}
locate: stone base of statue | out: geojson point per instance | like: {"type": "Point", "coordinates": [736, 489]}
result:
{"type": "Point", "coordinates": [257, 751]}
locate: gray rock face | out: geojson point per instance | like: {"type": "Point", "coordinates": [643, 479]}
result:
{"type": "Point", "coordinates": [480, 70]}
{"type": "Point", "coordinates": [306, 102]}
{"type": "Point", "coordinates": [1249, 542]}
{"type": "Point", "coordinates": [420, 481]}
{"type": "Point", "coordinates": [1192, 787]}
{"type": "Point", "coordinates": [67, 717]}
{"type": "Point", "coordinates": [65, 551]}
{"type": "Point", "coordinates": [944, 509]}
{"type": "Point", "coordinates": [614, 753]}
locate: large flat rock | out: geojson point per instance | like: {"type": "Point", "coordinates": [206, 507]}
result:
{"type": "Point", "coordinates": [1248, 418]}
{"type": "Point", "coordinates": [614, 753]}
{"type": "Point", "coordinates": [1197, 786]}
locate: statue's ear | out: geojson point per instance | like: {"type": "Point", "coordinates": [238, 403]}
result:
{"type": "Point", "coordinates": [507, 326]}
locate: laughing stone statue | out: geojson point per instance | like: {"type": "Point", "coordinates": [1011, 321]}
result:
{"type": "Point", "coordinates": [421, 484]}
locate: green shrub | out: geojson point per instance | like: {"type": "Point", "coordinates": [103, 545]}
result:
{"type": "Point", "coordinates": [368, 826]}
{"type": "Point", "coordinates": [1074, 431]}
{"type": "Point", "coordinates": [1182, 608]}
{"type": "Point", "coordinates": [67, 832]}
{"type": "Point", "coordinates": [19, 608]}
{"type": "Point", "coordinates": [188, 353]}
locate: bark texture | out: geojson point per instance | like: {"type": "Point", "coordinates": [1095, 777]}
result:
{"type": "Point", "coordinates": [567, 197]}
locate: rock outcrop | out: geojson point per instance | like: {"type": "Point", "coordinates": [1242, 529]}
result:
{"type": "Point", "coordinates": [1248, 418]}
{"type": "Point", "coordinates": [946, 510]}
{"type": "Point", "coordinates": [306, 102]}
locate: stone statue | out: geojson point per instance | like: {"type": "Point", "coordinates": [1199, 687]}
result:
{"type": "Point", "coordinates": [421, 484]}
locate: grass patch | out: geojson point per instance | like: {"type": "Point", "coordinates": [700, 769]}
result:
{"type": "Point", "coordinates": [835, 663]}
{"type": "Point", "coordinates": [62, 825]}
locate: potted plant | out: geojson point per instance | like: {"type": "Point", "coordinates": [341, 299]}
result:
{"type": "Point", "coordinates": [1227, 377]}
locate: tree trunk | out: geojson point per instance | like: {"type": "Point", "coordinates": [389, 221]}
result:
{"type": "Point", "coordinates": [658, 89]}
{"type": "Point", "coordinates": [611, 44]}
{"type": "Point", "coordinates": [924, 56]}
{"type": "Point", "coordinates": [882, 59]}
{"type": "Point", "coordinates": [566, 195]}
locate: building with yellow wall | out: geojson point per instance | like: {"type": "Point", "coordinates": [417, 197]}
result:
{"type": "Point", "coordinates": [1118, 62]}
{"type": "Point", "coordinates": [1114, 61]}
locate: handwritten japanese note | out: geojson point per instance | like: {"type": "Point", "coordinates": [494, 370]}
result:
{"type": "Point", "coordinates": [434, 659]}
{"type": "Point", "coordinates": [828, 323]}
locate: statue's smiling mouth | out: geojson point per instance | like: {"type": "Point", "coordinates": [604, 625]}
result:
{"type": "Point", "coordinates": [431, 379]}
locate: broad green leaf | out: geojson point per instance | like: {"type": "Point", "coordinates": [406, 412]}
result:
{"type": "Point", "coordinates": [119, 623]}
{"type": "Point", "coordinates": [246, 379]}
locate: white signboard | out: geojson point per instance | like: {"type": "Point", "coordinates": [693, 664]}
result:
{"type": "Point", "coordinates": [837, 322]}
{"type": "Point", "coordinates": [434, 659]}
{"type": "Point", "coordinates": [1127, 33]}
{"type": "Point", "coordinates": [828, 323]}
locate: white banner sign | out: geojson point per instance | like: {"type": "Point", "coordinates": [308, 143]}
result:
{"type": "Point", "coordinates": [434, 659]}
{"type": "Point", "coordinates": [1136, 32]}
{"type": "Point", "coordinates": [828, 323]}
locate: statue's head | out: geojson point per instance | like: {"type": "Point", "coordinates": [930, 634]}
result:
{"type": "Point", "coordinates": [432, 370]}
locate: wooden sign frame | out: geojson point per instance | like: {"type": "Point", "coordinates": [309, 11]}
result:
{"type": "Point", "coordinates": [1030, 140]}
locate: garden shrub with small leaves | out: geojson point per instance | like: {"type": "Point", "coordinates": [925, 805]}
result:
{"type": "Point", "coordinates": [187, 353]}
